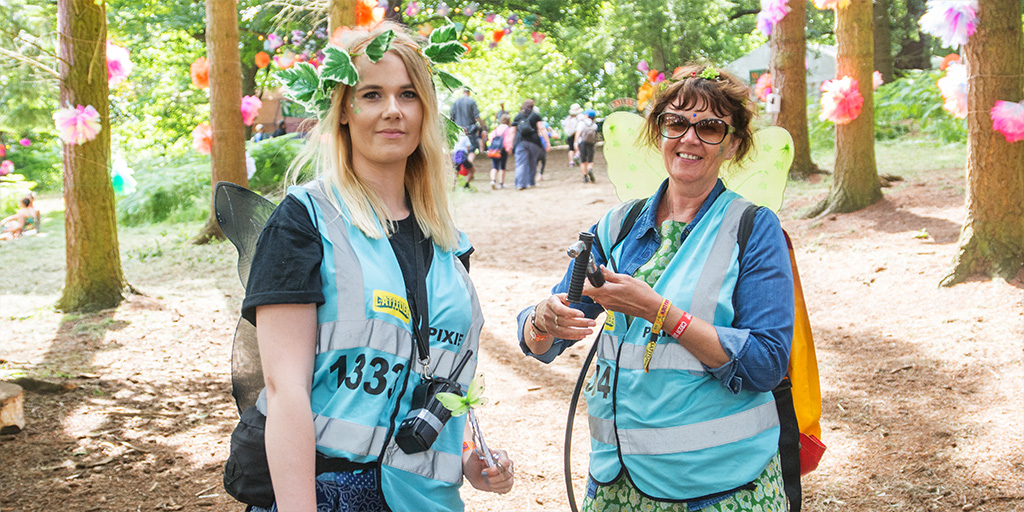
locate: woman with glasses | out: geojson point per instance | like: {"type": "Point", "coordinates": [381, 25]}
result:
{"type": "Point", "coordinates": [698, 326]}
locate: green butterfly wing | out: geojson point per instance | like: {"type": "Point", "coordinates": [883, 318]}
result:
{"type": "Point", "coordinates": [454, 403]}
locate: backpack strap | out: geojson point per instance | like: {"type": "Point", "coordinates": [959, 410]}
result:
{"type": "Point", "coordinates": [622, 218]}
{"type": "Point", "coordinates": [746, 227]}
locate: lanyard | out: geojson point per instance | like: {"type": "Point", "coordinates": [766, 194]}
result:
{"type": "Point", "coordinates": [419, 307]}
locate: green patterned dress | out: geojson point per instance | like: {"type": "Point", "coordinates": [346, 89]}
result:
{"type": "Point", "coordinates": [622, 496]}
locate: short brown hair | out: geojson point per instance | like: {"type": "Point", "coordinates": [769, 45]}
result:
{"type": "Point", "coordinates": [725, 96]}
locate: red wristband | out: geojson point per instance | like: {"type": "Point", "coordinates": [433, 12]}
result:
{"type": "Point", "coordinates": [684, 322]}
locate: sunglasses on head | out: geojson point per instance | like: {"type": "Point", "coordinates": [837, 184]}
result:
{"type": "Point", "coordinates": [709, 131]}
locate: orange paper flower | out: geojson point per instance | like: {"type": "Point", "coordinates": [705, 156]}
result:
{"type": "Point", "coordinates": [202, 138]}
{"type": "Point", "coordinates": [200, 70]}
{"type": "Point", "coordinates": [262, 60]}
{"type": "Point", "coordinates": [368, 13]}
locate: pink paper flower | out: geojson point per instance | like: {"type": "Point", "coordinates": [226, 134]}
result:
{"type": "Point", "coordinates": [25, 142]}
{"type": "Point", "coordinates": [274, 42]}
{"type": "Point", "coordinates": [202, 138]}
{"type": "Point", "coordinates": [952, 21]}
{"type": "Point", "coordinates": [954, 90]}
{"type": "Point", "coordinates": [1008, 119]}
{"type": "Point", "coordinates": [490, 18]}
{"type": "Point", "coordinates": [763, 87]}
{"type": "Point", "coordinates": [876, 79]}
{"type": "Point", "coordinates": [77, 125]}
{"type": "Point", "coordinates": [537, 37]}
{"type": "Point", "coordinates": [831, 4]}
{"type": "Point", "coordinates": [840, 100]}
{"type": "Point", "coordinates": [118, 65]}
{"type": "Point", "coordinates": [250, 107]}
{"type": "Point", "coordinates": [642, 67]}
{"type": "Point", "coordinates": [772, 12]}
{"type": "Point", "coordinates": [469, 9]}
{"type": "Point", "coordinates": [412, 9]}
{"type": "Point", "coordinates": [6, 167]}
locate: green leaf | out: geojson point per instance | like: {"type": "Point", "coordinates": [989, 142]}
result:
{"type": "Point", "coordinates": [444, 52]}
{"type": "Point", "coordinates": [448, 80]}
{"type": "Point", "coordinates": [379, 46]}
{"type": "Point", "coordinates": [338, 67]}
{"type": "Point", "coordinates": [301, 81]}
{"type": "Point", "coordinates": [451, 130]}
{"type": "Point", "coordinates": [444, 34]}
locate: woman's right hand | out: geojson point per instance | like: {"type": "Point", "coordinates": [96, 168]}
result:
{"type": "Point", "coordinates": [554, 316]}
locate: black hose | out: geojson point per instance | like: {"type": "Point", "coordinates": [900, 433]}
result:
{"type": "Point", "coordinates": [569, 421]}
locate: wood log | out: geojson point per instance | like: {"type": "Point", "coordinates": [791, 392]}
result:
{"type": "Point", "coordinates": [12, 416]}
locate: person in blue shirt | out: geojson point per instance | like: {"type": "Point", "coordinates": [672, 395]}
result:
{"type": "Point", "coordinates": [695, 335]}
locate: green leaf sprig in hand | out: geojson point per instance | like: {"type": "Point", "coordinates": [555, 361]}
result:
{"type": "Point", "coordinates": [460, 405]}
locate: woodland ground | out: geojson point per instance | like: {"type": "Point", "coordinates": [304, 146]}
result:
{"type": "Point", "coordinates": [921, 385]}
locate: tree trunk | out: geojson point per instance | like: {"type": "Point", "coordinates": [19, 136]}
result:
{"type": "Point", "coordinates": [915, 54]}
{"type": "Point", "coordinates": [228, 154]}
{"type": "Point", "coordinates": [855, 184]}
{"type": "Point", "coordinates": [789, 81]}
{"type": "Point", "coordinates": [883, 40]}
{"type": "Point", "coordinates": [93, 278]}
{"type": "Point", "coordinates": [342, 14]}
{"type": "Point", "coordinates": [992, 240]}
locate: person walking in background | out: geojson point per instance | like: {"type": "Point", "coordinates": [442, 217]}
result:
{"type": "Point", "coordinates": [466, 114]}
{"type": "Point", "coordinates": [501, 113]}
{"type": "Point", "coordinates": [258, 135]}
{"type": "Point", "coordinates": [280, 130]}
{"type": "Point", "coordinates": [687, 419]}
{"type": "Point", "coordinates": [529, 143]}
{"type": "Point", "coordinates": [497, 152]}
{"type": "Point", "coordinates": [586, 141]}
{"type": "Point", "coordinates": [542, 160]}
{"type": "Point", "coordinates": [569, 129]}
{"type": "Point", "coordinates": [375, 264]}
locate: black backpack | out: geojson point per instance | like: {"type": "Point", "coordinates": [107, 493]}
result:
{"type": "Point", "coordinates": [524, 128]}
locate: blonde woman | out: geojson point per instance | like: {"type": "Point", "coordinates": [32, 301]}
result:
{"type": "Point", "coordinates": [354, 275]}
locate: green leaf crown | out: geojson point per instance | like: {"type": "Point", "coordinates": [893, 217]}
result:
{"type": "Point", "coordinates": [312, 87]}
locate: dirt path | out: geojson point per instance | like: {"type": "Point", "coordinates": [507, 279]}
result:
{"type": "Point", "coordinates": [921, 385]}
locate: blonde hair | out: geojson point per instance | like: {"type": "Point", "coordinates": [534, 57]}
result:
{"type": "Point", "coordinates": [427, 173]}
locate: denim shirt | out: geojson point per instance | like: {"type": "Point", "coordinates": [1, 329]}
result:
{"type": "Point", "coordinates": [758, 342]}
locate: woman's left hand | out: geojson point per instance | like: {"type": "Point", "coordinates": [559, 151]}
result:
{"type": "Point", "coordinates": [625, 294]}
{"type": "Point", "coordinates": [497, 479]}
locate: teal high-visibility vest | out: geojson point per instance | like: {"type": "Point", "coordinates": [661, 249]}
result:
{"type": "Point", "coordinates": [365, 369]}
{"type": "Point", "coordinates": [677, 430]}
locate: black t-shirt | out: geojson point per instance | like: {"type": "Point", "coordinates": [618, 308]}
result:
{"type": "Point", "coordinates": [530, 133]}
{"type": "Point", "coordinates": [286, 265]}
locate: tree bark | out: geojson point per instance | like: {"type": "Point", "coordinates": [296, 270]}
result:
{"type": "Point", "coordinates": [228, 154]}
{"type": "Point", "coordinates": [855, 179]}
{"type": "Point", "coordinates": [883, 40]}
{"type": "Point", "coordinates": [992, 239]}
{"type": "Point", "coordinates": [914, 54]}
{"type": "Point", "coordinates": [789, 80]}
{"type": "Point", "coordinates": [93, 278]}
{"type": "Point", "coordinates": [342, 13]}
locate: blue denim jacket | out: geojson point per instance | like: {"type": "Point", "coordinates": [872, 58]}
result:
{"type": "Point", "coordinates": [758, 342]}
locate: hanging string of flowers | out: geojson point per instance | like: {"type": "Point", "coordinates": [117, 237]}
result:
{"type": "Point", "coordinates": [953, 87]}
{"type": "Point", "coordinates": [772, 12]}
{"type": "Point", "coordinates": [952, 21]}
{"type": "Point", "coordinates": [841, 100]}
{"type": "Point", "coordinates": [77, 125]}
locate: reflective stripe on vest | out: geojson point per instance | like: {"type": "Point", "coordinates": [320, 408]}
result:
{"type": "Point", "coordinates": [700, 279]}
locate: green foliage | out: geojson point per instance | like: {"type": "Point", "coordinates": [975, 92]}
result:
{"type": "Point", "coordinates": [912, 105]}
{"type": "Point", "coordinates": [39, 162]}
{"type": "Point", "coordinates": [272, 156]}
{"type": "Point", "coordinates": [13, 187]}
{"type": "Point", "coordinates": [171, 188]}
{"type": "Point", "coordinates": [27, 93]}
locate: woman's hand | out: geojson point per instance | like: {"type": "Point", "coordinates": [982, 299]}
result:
{"type": "Point", "coordinates": [624, 294]}
{"type": "Point", "coordinates": [555, 317]}
{"type": "Point", "coordinates": [498, 479]}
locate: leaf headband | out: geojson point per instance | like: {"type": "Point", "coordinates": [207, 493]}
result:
{"type": "Point", "coordinates": [312, 87]}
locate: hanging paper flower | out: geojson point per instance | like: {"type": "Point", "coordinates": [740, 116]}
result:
{"type": "Point", "coordinates": [953, 57]}
{"type": "Point", "coordinates": [644, 95]}
{"type": "Point", "coordinates": [6, 167]}
{"type": "Point", "coordinates": [876, 79]}
{"type": "Point", "coordinates": [412, 9]}
{"type": "Point", "coordinates": [954, 90]}
{"type": "Point", "coordinates": [285, 60]}
{"type": "Point", "coordinates": [840, 100]}
{"type": "Point", "coordinates": [490, 18]}
{"type": "Point", "coordinates": [497, 35]}
{"type": "Point", "coordinates": [368, 14]}
{"type": "Point", "coordinates": [469, 9]}
{"type": "Point", "coordinates": [763, 87]}
{"type": "Point", "coordinates": [3, 150]}
{"type": "Point", "coordinates": [200, 70]}
{"type": "Point", "coordinates": [250, 166]}
{"type": "Point", "coordinates": [274, 42]}
{"type": "Point", "coordinates": [321, 32]}
{"type": "Point", "coordinates": [1008, 119]}
{"type": "Point", "coordinates": [118, 65]}
{"type": "Point", "coordinates": [512, 19]}
{"type": "Point", "coordinates": [25, 142]}
{"type": "Point", "coordinates": [121, 177]}
{"type": "Point", "coordinates": [772, 12]}
{"type": "Point", "coordinates": [262, 60]}
{"type": "Point", "coordinates": [202, 138]}
{"type": "Point", "coordinates": [77, 125]}
{"type": "Point", "coordinates": [537, 37]}
{"type": "Point", "coordinates": [443, 9]}
{"type": "Point", "coordinates": [952, 21]}
{"type": "Point", "coordinates": [831, 4]}
{"type": "Point", "coordinates": [250, 107]}
{"type": "Point", "coordinates": [298, 37]}
{"type": "Point", "coordinates": [642, 67]}
{"type": "Point", "coordinates": [426, 29]}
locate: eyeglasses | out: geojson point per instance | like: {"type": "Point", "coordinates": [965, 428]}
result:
{"type": "Point", "coordinates": [709, 131]}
